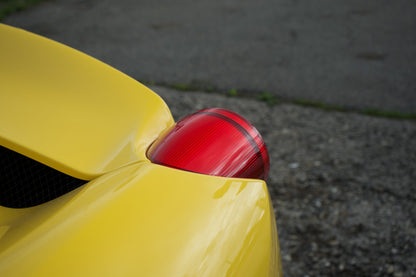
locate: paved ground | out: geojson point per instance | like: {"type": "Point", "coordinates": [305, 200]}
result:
{"type": "Point", "coordinates": [349, 53]}
{"type": "Point", "coordinates": [343, 184]}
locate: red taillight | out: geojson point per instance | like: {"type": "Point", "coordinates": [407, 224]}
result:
{"type": "Point", "coordinates": [216, 142]}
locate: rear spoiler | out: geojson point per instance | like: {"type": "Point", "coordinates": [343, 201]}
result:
{"type": "Point", "coordinates": [70, 111]}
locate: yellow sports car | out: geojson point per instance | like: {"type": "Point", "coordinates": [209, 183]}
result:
{"type": "Point", "coordinates": [96, 179]}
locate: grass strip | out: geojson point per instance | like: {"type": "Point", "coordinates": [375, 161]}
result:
{"type": "Point", "coordinates": [273, 100]}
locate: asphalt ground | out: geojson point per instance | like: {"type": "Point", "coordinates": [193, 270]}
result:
{"type": "Point", "coordinates": [355, 54]}
{"type": "Point", "coordinates": [342, 183]}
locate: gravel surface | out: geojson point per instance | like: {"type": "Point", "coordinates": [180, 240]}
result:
{"type": "Point", "coordinates": [342, 184]}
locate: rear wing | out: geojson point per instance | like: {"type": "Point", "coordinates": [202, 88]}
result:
{"type": "Point", "coordinates": [70, 111]}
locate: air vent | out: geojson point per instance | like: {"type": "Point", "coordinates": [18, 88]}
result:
{"type": "Point", "coordinates": [25, 182]}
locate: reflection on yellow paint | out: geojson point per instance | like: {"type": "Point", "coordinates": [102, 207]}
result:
{"type": "Point", "coordinates": [160, 222]}
{"type": "Point", "coordinates": [3, 230]}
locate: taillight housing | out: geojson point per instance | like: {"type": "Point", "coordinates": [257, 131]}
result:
{"type": "Point", "coordinates": [213, 141]}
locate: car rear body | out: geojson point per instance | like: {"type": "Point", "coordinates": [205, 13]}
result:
{"type": "Point", "coordinates": [130, 217]}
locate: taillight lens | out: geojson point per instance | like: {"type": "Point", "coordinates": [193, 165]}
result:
{"type": "Point", "coordinates": [216, 142]}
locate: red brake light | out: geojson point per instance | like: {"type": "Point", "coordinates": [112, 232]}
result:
{"type": "Point", "coordinates": [216, 142]}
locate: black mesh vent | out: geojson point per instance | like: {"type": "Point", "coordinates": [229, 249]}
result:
{"type": "Point", "coordinates": [25, 182]}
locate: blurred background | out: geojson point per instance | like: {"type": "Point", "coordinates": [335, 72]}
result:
{"type": "Point", "coordinates": [330, 85]}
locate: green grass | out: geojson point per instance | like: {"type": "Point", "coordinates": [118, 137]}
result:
{"type": "Point", "coordinates": [268, 98]}
{"type": "Point", "coordinates": [232, 92]}
{"type": "Point", "coordinates": [183, 87]}
{"type": "Point", "coordinates": [319, 105]}
{"type": "Point", "coordinates": [8, 7]}
{"type": "Point", "coordinates": [372, 112]}
{"type": "Point", "coordinates": [389, 114]}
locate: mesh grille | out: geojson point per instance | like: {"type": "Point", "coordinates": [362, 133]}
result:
{"type": "Point", "coordinates": [25, 182]}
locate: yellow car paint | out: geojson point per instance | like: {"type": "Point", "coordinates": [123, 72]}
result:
{"type": "Point", "coordinates": [80, 115]}
{"type": "Point", "coordinates": [134, 218]}
{"type": "Point", "coordinates": [145, 220]}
